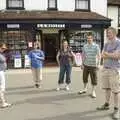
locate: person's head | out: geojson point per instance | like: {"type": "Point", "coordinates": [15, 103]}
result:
{"type": "Point", "coordinates": [90, 38]}
{"type": "Point", "coordinates": [37, 45]}
{"type": "Point", "coordinates": [65, 44]}
{"type": "Point", "coordinates": [3, 47]}
{"type": "Point", "coordinates": [111, 33]}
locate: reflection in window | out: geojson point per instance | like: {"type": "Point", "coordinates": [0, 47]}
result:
{"type": "Point", "coordinates": [15, 3]}
{"type": "Point", "coordinates": [52, 4]}
{"type": "Point", "coordinates": [82, 4]}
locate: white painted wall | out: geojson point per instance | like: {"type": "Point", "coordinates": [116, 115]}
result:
{"type": "Point", "coordinates": [2, 4]}
{"type": "Point", "coordinates": [36, 4]}
{"type": "Point", "coordinates": [99, 6]}
{"type": "Point", "coordinates": [63, 5]}
{"type": "Point", "coordinates": [113, 14]}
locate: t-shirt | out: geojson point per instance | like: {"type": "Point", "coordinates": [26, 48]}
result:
{"type": "Point", "coordinates": [89, 53]}
{"type": "Point", "coordinates": [36, 57]}
{"type": "Point", "coordinates": [111, 47]}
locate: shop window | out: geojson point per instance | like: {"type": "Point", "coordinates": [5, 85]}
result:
{"type": "Point", "coordinates": [15, 4]}
{"type": "Point", "coordinates": [83, 5]}
{"type": "Point", "coordinates": [52, 4]}
{"type": "Point", "coordinates": [77, 39]}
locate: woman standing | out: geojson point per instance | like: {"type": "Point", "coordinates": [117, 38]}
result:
{"type": "Point", "coordinates": [65, 59]}
{"type": "Point", "coordinates": [36, 58]}
{"type": "Point", "coordinates": [3, 66]}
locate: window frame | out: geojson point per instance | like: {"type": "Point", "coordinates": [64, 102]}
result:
{"type": "Point", "coordinates": [16, 8]}
{"type": "Point", "coordinates": [55, 8]}
{"type": "Point", "coordinates": [78, 9]}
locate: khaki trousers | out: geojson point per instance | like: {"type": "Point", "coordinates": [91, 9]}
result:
{"type": "Point", "coordinates": [37, 75]}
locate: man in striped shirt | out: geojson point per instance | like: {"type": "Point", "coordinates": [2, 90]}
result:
{"type": "Point", "coordinates": [91, 61]}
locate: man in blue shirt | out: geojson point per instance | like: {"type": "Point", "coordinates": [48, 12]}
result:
{"type": "Point", "coordinates": [36, 58]}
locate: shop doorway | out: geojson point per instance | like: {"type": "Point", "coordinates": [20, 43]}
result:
{"type": "Point", "coordinates": [51, 46]}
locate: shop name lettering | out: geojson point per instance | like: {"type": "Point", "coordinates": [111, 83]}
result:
{"type": "Point", "coordinates": [51, 25]}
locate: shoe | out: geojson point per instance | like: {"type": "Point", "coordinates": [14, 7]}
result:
{"type": "Point", "coordinates": [82, 91]}
{"type": "Point", "coordinates": [104, 107]}
{"type": "Point", "coordinates": [93, 95]}
{"type": "Point", "coordinates": [116, 114]}
{"type": "Point", "coordinates": [5, 105]}
{"type": "Point", "coordinates": [58, 89]}
{"type": "Point", "coordinates": [37, 86]}
{"type": "Point", "coordinates": [67, 88]}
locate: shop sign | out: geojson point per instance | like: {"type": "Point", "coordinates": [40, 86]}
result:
{"type": "Point", "coordinates": [30, 44]}
{"type": "Point", "coordinates": [78, 59]}
{"type": "Point", "coordinates": [51, 25]}
{"type": "Point", "coordinates": [86, 26]}
{"type": "Point", "coordinates": [17, 61]}
{"type": "Point", "coordinates": [13, 26]}
{"type": "Point", "coordinates": [26, 61]}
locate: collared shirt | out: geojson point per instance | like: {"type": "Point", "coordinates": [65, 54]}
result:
{"type": "Point", "coordinates": [90, 54]}
{"type": "Point", "coordinates": [112, 47]}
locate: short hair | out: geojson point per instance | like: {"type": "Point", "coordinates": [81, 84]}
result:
{"type": "Point", "coordinates": [112, 29]}
{"type": "Point", "coordinates": [3, 45]}
{"type": "Point", "coordinates": [90, 34]}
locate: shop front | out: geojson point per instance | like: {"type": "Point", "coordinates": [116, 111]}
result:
{"type": "Point", "coordinates": [50, 29]}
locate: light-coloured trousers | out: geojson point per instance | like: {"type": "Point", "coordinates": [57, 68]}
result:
{"type": "Point", "coordinates": [37, 75]}
{"type": "Point", "coordinates": [2, 86]}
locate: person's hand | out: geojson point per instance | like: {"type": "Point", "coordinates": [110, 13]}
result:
{"type": "Point", "coordinates": [104, 55]}
{"type": "Point", "coordinates": [98, 67]}
{"type": "Point", "coordinates": [82, 67]}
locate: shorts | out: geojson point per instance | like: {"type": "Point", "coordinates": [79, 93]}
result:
{"type": "Point", "coordinates": [111, 80]}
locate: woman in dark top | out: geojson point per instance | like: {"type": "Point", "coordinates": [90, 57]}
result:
{"type": "Point", "coordinates": [65, 59]}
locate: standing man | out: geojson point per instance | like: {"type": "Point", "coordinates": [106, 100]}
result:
{"type": "Point", "coordinates": [3, 66]}
{"type": "Point", "coordinates": [36, 58]}
{"type": "Point", "coordinates": [111, 72]}
{"type": "Point", "coordinates": [90, 64]}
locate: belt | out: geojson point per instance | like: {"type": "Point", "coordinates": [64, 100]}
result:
{"type": "Point", "coordinates": [107, 68]}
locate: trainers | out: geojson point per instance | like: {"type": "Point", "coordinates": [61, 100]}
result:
{"type": "Point", "coordinates": [5, 105]}
{"type": "Point", "coordinates": [93, 95]}
{"type": "Point", "coordinates": [67, 88]}
{"type": "Point", "coordinates": [82, 91]}
{"type": "Point", "coordinates": [104, 107]}
{"type": "Point", "coordinates": [116, 114]}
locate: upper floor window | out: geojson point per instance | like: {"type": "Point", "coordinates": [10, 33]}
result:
{"type": "Point", "coordinates": [82, 5]}
{"type": "Point", "coordinates": [15, 4]}
{"type": "Point", "coordinates": [52, 4]}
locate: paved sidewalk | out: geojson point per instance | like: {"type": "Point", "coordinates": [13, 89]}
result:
{"type": "Point", "coordinates": [46, 69]}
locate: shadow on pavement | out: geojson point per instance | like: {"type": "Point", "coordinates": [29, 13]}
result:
{"type": "Point", "coordinates": [86, 115]}
{"type": "Point", "coordinates": [50, 99]}
{"type": "Point", "coordinates": [18, 88]}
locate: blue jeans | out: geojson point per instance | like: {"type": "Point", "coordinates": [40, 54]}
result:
{"type": "Point", "coordinates": [65, 69]}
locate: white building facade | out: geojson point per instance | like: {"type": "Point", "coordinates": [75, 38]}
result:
{"type": "Point", "coordinates": [113, 12]}
{"type": "Point", "coordinates": [50, 21]}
